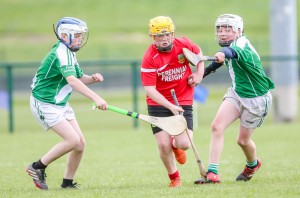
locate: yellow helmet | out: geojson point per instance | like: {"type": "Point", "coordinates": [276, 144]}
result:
{"type": "Point", "coordinates": [161, 25]}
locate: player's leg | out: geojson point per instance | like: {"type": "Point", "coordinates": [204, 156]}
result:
{"type": "Point", "coordinates": [179, 144]}
{"type": "Point", "coordinates": [182, 141]}
{"type": "Point", "coordinates": [74, 144]}
{"type": "Point", "coordinates": [226, 114]}
{"type": "Point", "coordinates": [74, 157]}
{"type": "Point", "coordinates": [253, 115]}
{"type": "Point", "coordinates": [246, 143]}
{"type": "Point", "coordinates": [71, 140]}
{"type": "Point", "coordinates": [51, 116]}
{"type": "Point", "coordinates": [249, 148]}
{"type": "Point", "coordinates": [163, 140]}
{"type": "Point", "coordinates": [165, 152]}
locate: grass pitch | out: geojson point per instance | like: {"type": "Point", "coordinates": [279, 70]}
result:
{"type": "Point", "coordinates": [121, 161]}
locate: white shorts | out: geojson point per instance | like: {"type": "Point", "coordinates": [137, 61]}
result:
{"type": "Point", "coordinates": [252, 110]}
{"type": "Point", "coordinates": [49, 115]}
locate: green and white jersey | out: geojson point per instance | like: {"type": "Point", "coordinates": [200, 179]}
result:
{"type": "Point", "coordinates": [248, 77]}
{"type": "Point", "coordinates": [49, 84]}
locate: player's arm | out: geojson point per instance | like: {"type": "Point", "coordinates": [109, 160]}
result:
{"type": "Point", "coordinates": [225, 52]}
{"type": "Point", "coordinates": [89, 79]}
{"type": "Point", "coordinates": [211, 68]}
{"type": "Point", "coordinates": [81, 88]}
{"type": "Point", "coordinates": [196, 77]}
{"type": "Point", "coordinates": [228, 52]}
{"type": "Point", "coordinates": [160, 99]}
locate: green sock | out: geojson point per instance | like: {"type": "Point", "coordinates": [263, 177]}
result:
{"type": "Point", "coordinates": [213, 168]}
{"type": "Point", "coordinates": [251, 164]}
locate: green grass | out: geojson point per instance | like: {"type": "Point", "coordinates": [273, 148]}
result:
{"type": "Point", "coordinates": [118, 29]}
{"type": "Point", "coordinates": [120, 161]}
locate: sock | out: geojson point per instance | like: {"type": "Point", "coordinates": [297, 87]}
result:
{"type": "Point", "coordinates": [39, 165]}
{"type": "Point", "coordinates": [66, 182]}
{"type": "Point", "coordinates": [251, 164]}
{"type": "Point", "coordinates": [174, 175]}
{"type": "Point", "coordinates": [213, 168]}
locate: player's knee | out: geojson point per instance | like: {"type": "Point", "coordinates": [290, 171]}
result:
{"type": "Point", "coordinates": [242, 143]}
{"type": "Point", "coordinates": [81, 145]}
{"type": "Point", "coordinates": [184, 144]}
{"type": "Point", "coordinates": [164, 147]}
{"type": "Point", "coordinates": [76, 143]}
{"type": "Point", "coordinates": [216, 128]}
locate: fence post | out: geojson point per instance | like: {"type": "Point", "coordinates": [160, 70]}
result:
{"type": "Point", "coordinates": [134, 78]}
{"type": "Point", "coordinates": [283, 42]}
{"type": "Point", "coordinates": [10, 97]}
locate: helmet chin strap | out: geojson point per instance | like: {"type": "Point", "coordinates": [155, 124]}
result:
{"type": "Point", "coordinates": [73, 49]}
{"type": "Point", "coordinates": [164, 49]}
{"type": "Point", "coordinates": [225, 44]}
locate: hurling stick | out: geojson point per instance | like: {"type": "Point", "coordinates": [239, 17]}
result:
{"type": "Point", "coordinates": [199, 162]}
{"type": "Point", "coordinates": [174, 125]}
{"type": "Point", "coordinates": [194, 59]}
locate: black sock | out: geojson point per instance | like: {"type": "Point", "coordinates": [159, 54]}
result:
{"type": "Point", "coordinates": [67, 182]}
{"type": "Point", "coordinates": [38, 165]}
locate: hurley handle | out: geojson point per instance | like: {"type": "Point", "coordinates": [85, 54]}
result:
{"type": "Point", "coordinates": [120, 111]}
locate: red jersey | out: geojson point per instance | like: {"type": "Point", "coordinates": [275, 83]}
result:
{"type": "Point", "coordinates": [169, 70]}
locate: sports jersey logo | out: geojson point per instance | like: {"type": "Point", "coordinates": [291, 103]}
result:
{"type": "Point", "coordinates": [172, 74]}
{"type": "Point", "coordinates": [181, 58]}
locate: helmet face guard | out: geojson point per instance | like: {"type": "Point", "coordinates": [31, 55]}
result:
{"type": "Point", "coordinates": [161, 26]}
{"type": "Point", "coordinates": [72, 27]}
{"type": "Point", "coordinates": [229, 20]}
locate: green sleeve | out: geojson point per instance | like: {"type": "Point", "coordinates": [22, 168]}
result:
{"type": "Point", "coordinates": [79, 71]}
{"type": "Point", "coordinates": [68, 70]}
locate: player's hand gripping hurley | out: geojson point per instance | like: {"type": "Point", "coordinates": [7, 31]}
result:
{"type": "Point", "coordinates": [199, 162]}
{"type": "Point", "coordinates": [174, 125]}
{"type": "Point", "coordinates": [194, 59]}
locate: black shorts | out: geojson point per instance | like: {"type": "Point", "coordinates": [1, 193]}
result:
{"type": "Point", "coordinates": [160, 111]}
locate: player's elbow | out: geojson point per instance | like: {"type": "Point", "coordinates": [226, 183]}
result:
{"type": "Point", "coordinates": [72, 80]}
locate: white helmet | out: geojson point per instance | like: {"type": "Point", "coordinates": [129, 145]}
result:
{"type": "Point", "coordinates": [232, 20]}
{"type": "Point", "coordinates": [71, 26]}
